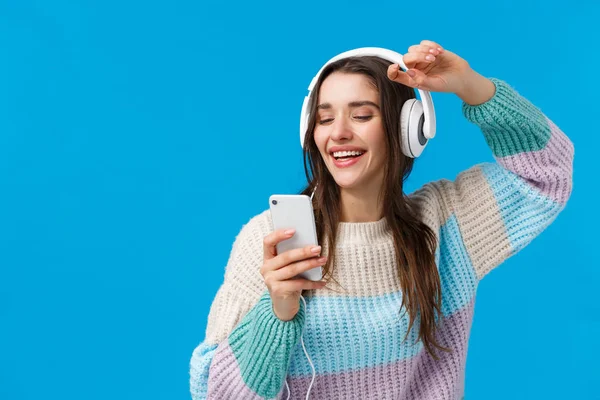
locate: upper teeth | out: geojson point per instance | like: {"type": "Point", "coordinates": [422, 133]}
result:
{"type": "Point", "coordinates": [347, 153]}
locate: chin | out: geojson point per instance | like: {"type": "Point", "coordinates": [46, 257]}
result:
{"type": "Point", "coordinates": [347, 182]}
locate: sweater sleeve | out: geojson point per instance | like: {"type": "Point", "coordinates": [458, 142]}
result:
{"type": "Point", "coordinates": [498, 208]}
{"type": "Point", "coordinates": [247, 350]}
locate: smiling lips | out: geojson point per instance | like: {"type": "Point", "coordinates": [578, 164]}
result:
{"type": "Point", "coordinates": [346, 162]}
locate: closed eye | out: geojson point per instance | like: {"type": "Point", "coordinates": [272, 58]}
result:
{"type": "Point", "coordinates": [361, 117]}
{"type": "Point", "coordinates": [323, 121]}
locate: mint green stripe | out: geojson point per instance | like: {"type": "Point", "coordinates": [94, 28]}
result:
{"type": "Point", "coordinates": [510, 123]}
{"type": "Point", "coordinates": [262, 345]}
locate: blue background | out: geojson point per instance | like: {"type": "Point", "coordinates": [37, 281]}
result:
{"type": "Point", "coordinates": [136, 138]}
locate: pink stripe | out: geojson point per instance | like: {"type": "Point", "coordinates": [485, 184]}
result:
{"type": "Point", "coordinates": [420, 377]}
{"type": "Point", "coordinates": [225, 378]}
{"type": "Point", "coordinates": [550, 169]}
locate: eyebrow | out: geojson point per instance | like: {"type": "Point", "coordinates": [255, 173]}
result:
{"type": "Point", "coordinates": [326, 106]}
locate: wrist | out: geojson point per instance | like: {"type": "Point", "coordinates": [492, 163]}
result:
{"type": "Point", "coordinates": [475, 89]}
{"type": "Point", "coordinates": [286, 315]}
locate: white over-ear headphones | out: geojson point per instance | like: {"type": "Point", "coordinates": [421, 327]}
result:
{"type": "Point", "coordinates": [417, 118]}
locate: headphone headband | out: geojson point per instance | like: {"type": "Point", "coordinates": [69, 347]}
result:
{"type": "Point", "coordinates": [392, 56]}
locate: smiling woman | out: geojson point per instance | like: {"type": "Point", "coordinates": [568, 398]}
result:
{"type": "Point", "coordinates": [369, 189]}
{"type": "Point", "coordinates": [402, 270]}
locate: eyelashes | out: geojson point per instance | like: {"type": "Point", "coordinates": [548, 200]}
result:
{"type": "Point", "coordinates": [359, 117]}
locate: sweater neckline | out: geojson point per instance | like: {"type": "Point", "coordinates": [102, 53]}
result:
{"type": "Point", "coordinates": [363, 232]}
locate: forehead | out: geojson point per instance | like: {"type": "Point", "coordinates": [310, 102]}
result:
{"type": "Point", "coordinates": [341, 88]}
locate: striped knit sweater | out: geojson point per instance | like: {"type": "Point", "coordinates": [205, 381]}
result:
{"type": "Point", "coordinates": [354, 332]}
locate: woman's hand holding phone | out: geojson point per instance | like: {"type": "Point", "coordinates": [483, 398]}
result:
{"type": "Point", "coordinates": [279, 272]}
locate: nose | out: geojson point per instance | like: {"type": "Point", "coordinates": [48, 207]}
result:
{"type": "Point", "coordinates": [340, 130]}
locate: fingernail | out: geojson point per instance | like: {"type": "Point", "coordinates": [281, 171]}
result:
{"type": "Point", "coordinates": [322, 259]}
{"type": "Point", "coordinates": [411, 73]}
{"type": "Point", "coordinates": [289, 231]}
{"type": "Point", "coordinates": [316, 249]}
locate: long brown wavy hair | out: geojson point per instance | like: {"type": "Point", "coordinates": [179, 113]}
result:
{"type": "Point", "coordinates": [414, 242]}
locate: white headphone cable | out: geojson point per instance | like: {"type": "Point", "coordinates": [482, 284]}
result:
{"type": "Point", "coordinates": [309, 361]}
{"type": "Point", "coordinates": [313, 192]}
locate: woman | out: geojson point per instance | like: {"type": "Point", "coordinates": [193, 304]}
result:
{"type": "Point", "coordinates": [392, 316]}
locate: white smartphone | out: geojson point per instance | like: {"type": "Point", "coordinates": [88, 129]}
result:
{"type": "Point", "coordinates": [295, 211]}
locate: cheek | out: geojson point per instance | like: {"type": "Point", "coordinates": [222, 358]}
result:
{"type": "Point", "coordinates": [382, 150]}
{"type": "Point", "coordinates": [378, 143]}
{"type": "Point", "coordinates": [381, 144]}
{"type": "Point", "coordinates": [320, 140]}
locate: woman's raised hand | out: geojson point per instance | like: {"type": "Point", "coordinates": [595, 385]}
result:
{"type": "Point", "coordinates": [431, 68]}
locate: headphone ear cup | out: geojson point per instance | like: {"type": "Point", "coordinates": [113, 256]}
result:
{"type": "Point", "coordinates": [412, 118]}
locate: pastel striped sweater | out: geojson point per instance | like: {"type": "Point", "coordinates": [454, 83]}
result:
{"type": "Point", "coordinates": [353, 332]}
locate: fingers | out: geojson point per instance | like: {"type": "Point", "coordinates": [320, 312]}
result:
{"type": "Point", "coordinates": [292, 256]}
{"type": "Point", "coordinates": [419, 80]}
{"type": "Point", "coordinates": [413, 58]}
{"type": "Point", "coordinates": [271, 240]}
{"type": "Point", "coordinates": [419, 57]}
{"type": "Point", "coordinates": [422, 48]}
{"type": "Point", "coordinates": [396, 74]}
{"type": "Point", "coordinates": [432, 44]}
{"type": "Point", "coordinates": [273, 261]}
{"type": "Point", "coordinates": [295, 285]}
{"type": "Point", "coordinates": [294, 269]}
{"type": "Point", "coordinates": [279, 269]}
{"type": "Point", "coordinates": [305, 284]}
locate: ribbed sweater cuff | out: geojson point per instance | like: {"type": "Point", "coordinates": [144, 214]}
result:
{"type": "Point", "coordinates": [510, 123]}
{"type": "Point", "coordinates": [263, 345]}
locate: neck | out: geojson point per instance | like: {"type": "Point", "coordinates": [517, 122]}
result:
{"type": "Point", "coordinates": [360, 205]}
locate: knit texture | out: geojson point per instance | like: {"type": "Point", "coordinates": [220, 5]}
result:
{"type": "Point", "coordinates": [354, 330]}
